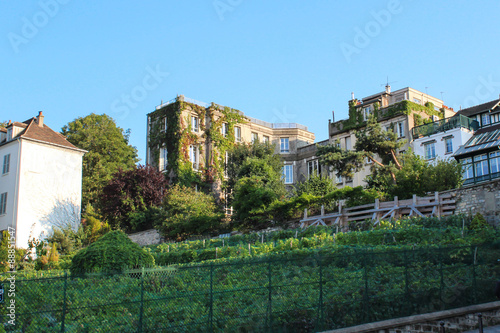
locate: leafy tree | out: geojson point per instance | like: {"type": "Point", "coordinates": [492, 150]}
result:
{"type": "Point", "coordinates": [370, 141]}
{"type": "Point", "coordinates": [3, 124]}
{"type": "Point", "coordinates": [188, 212]}
{"type": "Point", "coordinates": [316, 185]}
{"type": "Point", "coordinates": [113, 252]}
{"type": "Point", "coordinates": [417, 176]}
{"type": "Point", "coordinates": [108, 152]}
{"type": "Point", "coordinates": [132, 191]}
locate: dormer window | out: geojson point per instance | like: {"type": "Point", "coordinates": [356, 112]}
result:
{"type": "Point", "coordinates": [9, 134]}
{"type": "Point", "coordinates": [485, 119]}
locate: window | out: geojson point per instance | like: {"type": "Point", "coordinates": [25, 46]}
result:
{"type": "Point", "coordinates": [194, 124]}
{"type": "Point", "coordinates": [163, 158]}
{"type": "Point", "coordinates": [193, 156]}
{"type": "Point", "coordinates": [495, 163]}
{"type": "Point", "coordinates": [164, 129]}
{"type": "Point", "coordinates": [226, 160]}
{"type": "Point", "coordinates": [400, 129]}
{"type": "Point", "coordinates": [338, 178]}
{"type": "Point", "coordinates": [237, 134]}
{"type": "Point", "coordinates": [480, 165]}
{"type": "Point", "coordinates": [468, 173]}
{"type": "Point", "coordinates": [348, 143]}
{"type": "Point", "coordinates": [430, 150]}
{"type": "Point", "coordinates": [6, 164]}
{"type": "Point", "coordinates": [416, 100]}
{"type": "Point", "coordinates": [255, 137]}
{"type": "Point", "coordinates": [224, 129]}
{"type": "Point", "coordinates": [485, 119]}
{"type": "Point", "coordinates": [265, 139]}
{"type": "Point", "coordinates": [288, 174]}
{"type": "Point", "coordinates": [366, 112]}
{"type": "Point", "coordinates": [313, 168]}
{"type": "Point", "coordinates": [448, 143]}
{"type": "Point", "coordinates": [284, 145]}
{"type": "Point", "coordinates": [3, 203]}
{"type": "Point", "coordinates": [495, 118]}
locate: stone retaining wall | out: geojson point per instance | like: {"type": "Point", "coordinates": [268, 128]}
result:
{"type": "Point", "coordinates": [481, 198]}
{"type": "Point", "coordinates": [147, 237]}
{"type": "Point", "coordinates": [455, 321]}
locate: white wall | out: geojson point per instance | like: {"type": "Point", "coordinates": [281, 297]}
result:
{"type": "Point", "coordinates": [8, 182]}
{"type": "Point", "coordinates": [460, 137]}
{"type": "Point", "coordinates": [50, 189]}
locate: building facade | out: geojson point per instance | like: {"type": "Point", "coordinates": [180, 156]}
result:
{"type": "Point", "coordinates": [40, 181]}
{"type": "Point", "coordinates": [190, 139]}
{"type": "Point", "coordinates": [480, 155]}
{"type": "Point", "coordinates": [398, 111]}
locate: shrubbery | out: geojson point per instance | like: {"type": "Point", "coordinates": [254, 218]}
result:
{"type": "Point", "coordinates": [112, 252]}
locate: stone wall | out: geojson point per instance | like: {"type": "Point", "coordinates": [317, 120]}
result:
{"type": "Point", "coordinates": [147, 237]}
{"type": "Point", "coordinates": [481, 198]}
{"type": "Point", "coordinates": [455, 321]}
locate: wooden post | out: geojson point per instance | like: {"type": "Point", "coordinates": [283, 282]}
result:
{"type": "Point", "coordinates": [305, 213]}
{"type": "Point", "coordinates": [376, 206]}
{"type": "Point", "coordinates": [396, 205]}
{"type": "Point", "coordinates": [438, 204]}
{"type": "Point", "coordinates": [414, 200]}
{"type": "Point", "coordinates": [322, 210]}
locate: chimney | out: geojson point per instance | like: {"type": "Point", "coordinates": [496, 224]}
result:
{"type": "Point", "coordinates": [352, 95]}
{"type": "Point", "coordinates": [388, 89]}
{"type": "Point", "coordinates": [39, 119]}
{"type": "Point", "coordinates": [333, 116]}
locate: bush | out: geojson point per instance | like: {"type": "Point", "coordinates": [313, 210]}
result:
{"type": "Point", "coordinates": [111, 253]}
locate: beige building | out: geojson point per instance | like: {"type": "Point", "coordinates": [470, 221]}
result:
{"type": "Point", "coordinates": [186, 133]}
{"type": "Point", "coordinates": [399, 111]}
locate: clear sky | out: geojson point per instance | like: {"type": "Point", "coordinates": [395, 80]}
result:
{"type": "Point", "coordinates": [279, 61]}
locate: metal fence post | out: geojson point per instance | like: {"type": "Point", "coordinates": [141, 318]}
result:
{"type": "Point", "coordinates": [270, 304]}
{"type": "Point", "coordinates": [407, 284]}
{"type": "Point", "coordinates": [141, 309]}
{"type": "Point", "coordinates": [365, 296]}
{"type": "Point", "coordinates": [320, 310]}
{"type": "Point", "coordinates": [64, 301]}
{"type": "Point", "coordinates": [474, 282]}
{"type": "Point", "coordinates": [480, 319]}
{"type": "Point", "coordinates": [211, 310]}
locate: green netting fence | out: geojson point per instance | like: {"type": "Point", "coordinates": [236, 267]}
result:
{"type": "Point", "coordinates": [301, 294]}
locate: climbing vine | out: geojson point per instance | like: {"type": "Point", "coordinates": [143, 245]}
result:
{"type": "Point", "coordinates": [404, 107]}
{"type": "Point", "coordinates": [179, 136]}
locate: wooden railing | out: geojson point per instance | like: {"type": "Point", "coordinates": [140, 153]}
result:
{"type": "Point", "coordinates": [439, 204]}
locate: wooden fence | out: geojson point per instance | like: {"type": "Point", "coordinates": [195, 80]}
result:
{"type": "Point", "coordinates": [439, 204]}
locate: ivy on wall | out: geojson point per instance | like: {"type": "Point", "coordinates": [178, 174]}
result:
{"type": "Point", "coordinates": [404, 107]}
{"type": "Point", "coordinates": [179, 136]}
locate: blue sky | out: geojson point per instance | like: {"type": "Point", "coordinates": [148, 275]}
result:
{"type": "Point", "coordinates": [279, 61]}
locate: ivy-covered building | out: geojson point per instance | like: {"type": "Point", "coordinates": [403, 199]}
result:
{"type": "Point", "coordinates": [399, 111]}
{"type": "Point", "coordinates": [189, 140]}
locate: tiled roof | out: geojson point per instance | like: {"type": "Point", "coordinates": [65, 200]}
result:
{"type": "Point", "coordinates": [3, 130]}
{"type": "Point", "coordinates": [42, 133]}
{"type": "Point", "coordinates": [479, 108]}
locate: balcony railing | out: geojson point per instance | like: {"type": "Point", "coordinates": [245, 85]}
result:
{"type": "Point", "coordinates": [444, 125]}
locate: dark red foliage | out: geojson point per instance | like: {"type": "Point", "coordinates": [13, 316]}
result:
{"type": "Point", "coordinates": [132, 191]}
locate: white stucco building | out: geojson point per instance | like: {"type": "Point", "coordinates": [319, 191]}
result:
{"type": "Point", "coordinates": [40, 180]}
{"type": "Point", "coordinates": [442, 138]}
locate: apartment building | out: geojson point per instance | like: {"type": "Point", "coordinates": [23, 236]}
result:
{"type": "Point", "coordinates": [480, 155]}
{"type": "Point", "coordinates": [187, 134]}
{"type": "Point", "coordinates": [399, 111]}
{"type": "Point", "coordinates": [40, 180]}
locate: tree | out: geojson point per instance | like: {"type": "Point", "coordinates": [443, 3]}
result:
{"type": "Point", "coordinates": [187, 212]}
{"type": "Point", "coordinates": [113, 252]}
{"type": "Point", "coordinates": [396, 174]}
{"type": "Point", "coordinates": [316, 185]}
{"type": "Point", "coordinates": [370, 141]}
{"type": "Point", "coordinates": [132, 191]}
{"type": "Point", "coordinates": [3, 124]}
{"type": "Point", "coordinates": [108, 152]}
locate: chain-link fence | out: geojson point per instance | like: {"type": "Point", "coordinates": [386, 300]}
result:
{"type": "Point", "coordinates": [306, 293]}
